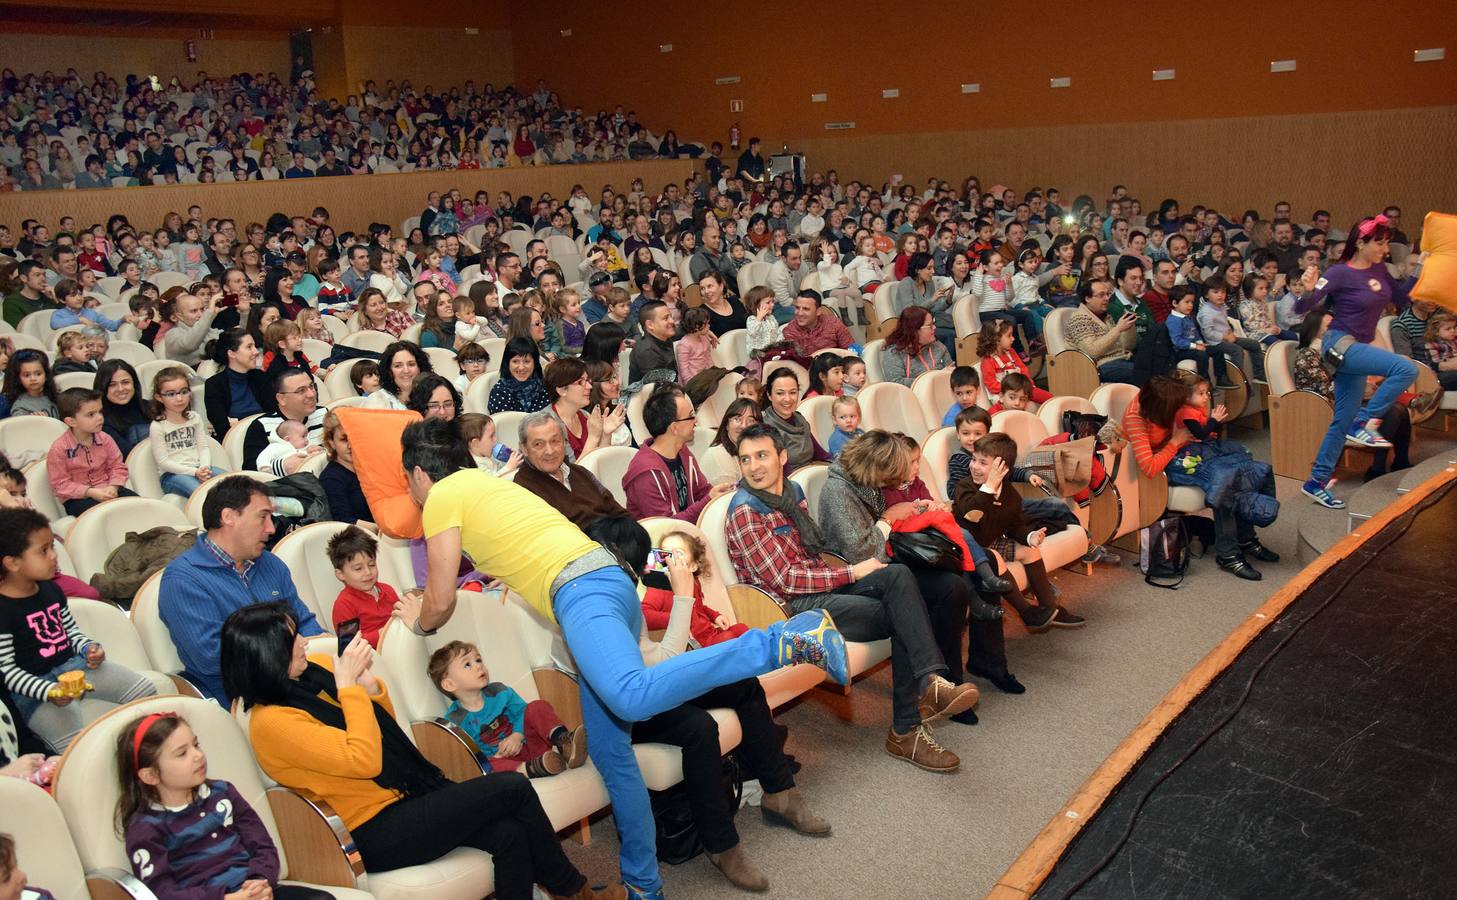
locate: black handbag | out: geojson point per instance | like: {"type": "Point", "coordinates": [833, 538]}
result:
{"type": "Point", "coordinates": [678, 838]}
{"type": "Point", "coordinates": [925, 550]}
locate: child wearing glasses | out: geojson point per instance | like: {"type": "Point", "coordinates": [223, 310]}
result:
{"type": "Point", "coordinates": [179, 435]}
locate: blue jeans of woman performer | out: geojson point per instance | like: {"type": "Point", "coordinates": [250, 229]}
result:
{"type": "Point", "coordinates": [1349, 384]}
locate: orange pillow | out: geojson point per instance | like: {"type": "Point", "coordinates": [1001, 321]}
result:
{"type": "Point", "coordinates": [1438, 281]}
{"type": "Point", "coordinates": [374, 438]}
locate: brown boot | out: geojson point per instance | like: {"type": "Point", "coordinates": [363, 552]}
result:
{"type": "Point", "coordinates": [789, 809]}
{"type": "Point", "coordinates": [920, 749]}
{"type": "Point", "coordinates": [941, 699]}
{"type": "Point", "coordinates": [572, 745]}
{"type": "Point", "coordinates": [736, 866]}
{"type": "Point", "coordinates": [546, 765]}
{"type": "Point", "coordinates": [615, 892]}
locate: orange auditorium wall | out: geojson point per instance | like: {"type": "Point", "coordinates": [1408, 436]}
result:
{"type": "Point", "coordinates": [1361, 59]}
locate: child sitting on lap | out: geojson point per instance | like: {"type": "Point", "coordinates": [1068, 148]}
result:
{"type": "Point", "coordinates": [706, 626]}
{"type": "Point", "coordinates": [509, 732]}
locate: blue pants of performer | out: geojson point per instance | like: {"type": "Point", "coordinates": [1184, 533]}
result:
{"type": "Point", "coordinates": [1349, 383]}
{"type": "Point", "coordinates": [601, 618]}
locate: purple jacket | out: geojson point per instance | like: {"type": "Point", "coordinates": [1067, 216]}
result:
{"type": "Point", "coordinates": [651, 490]}
{"type": "Point", "coordinates": [1358, 297]}
{"type": "Point", "coordinates": [203, 851]}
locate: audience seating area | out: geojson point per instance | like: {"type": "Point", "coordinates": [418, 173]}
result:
{"type": "Point", "coordinates": [67, 843]}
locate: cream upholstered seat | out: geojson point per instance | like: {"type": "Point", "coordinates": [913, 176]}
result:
{"type": "Point", "coordinates": [732, 350]}
{"type": "Point", "coordinates": [567, 798]}
{"type": "Point", "coordinates": [936, 451]}
{"type": "Point", "coordinates": [36, 324]}
{"type": "Point", "coordinates": [933, 392]}
{"type": "Point", "coordinates": [442, 360]}
{"type": "Point", "coordinates": [966, 318]}
{"type": "Point", "coordinates": [508, 428]}
{"type": "Point", "coordinates": [44, 849]}
{"type": "Point", "coordinates": [477, 396]}
{"type": "Point", "coordinates": [86, 783]}
{"type": "Point", "coordinates": [134, 352]}
{"type": "Point", "coordinates": [780, 685]}
{"type": "Point", "coordinates": [820, 415]}
{"type": "Point", "coordinates": [305, 552]}
{"type": "Point", "coordinates": [757, 607]}
{"type": "Point", "coordinates": [337, 381]}
{"type": "Point", "coordinates": [104, 527]}
{"type": "Point", "coordinates": [799, 371]}
{"type": "Point", "coordinates": [108, 624]}
{"type": "Point", "coordinates": [193, 508]}
{"type": "Point", "coordinates": [155, 638]}
{"type": "Point", "coordinates": [609, 465]}
{"type": "Point", "coordinates": [634, 413]}
{"type": "Point", "coordinates": [1059, 548]}
{"type": "Point", "coordinates": [68, 380]}
{"type": "Point", "coordinates": [710, 411]}
{"type": "Point", "coordinates": [1070, 372]}
{"type": "Point", "coordinates": [892, 407]}
{"type": "Point", "coordinates": [25, 439]}
{"type": "Point", "coordinates": [146, 478]}
{"type": "Point", "coordinates": [234, 440]}
{"type": "Point", "coordinates": [38, 490]}
{"type": "Point", "coordinates": [717, 463]}
{"type": "Point", "coordinates": [374, 341]}
{"type": "Point", "coordinates": [884, 308]}
{"type": "Point", "coordinates": [1052, 411]}
{"type": "Point", "coordinates": [752, 275]}
{"type": "Point", "coordinates": [870, 353]}
{"type": "Point", "coordinates": [811, 479]}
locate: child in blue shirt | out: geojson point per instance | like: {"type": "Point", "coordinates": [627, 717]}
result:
{"type": "Point", "coordinates": [1187, 340]}
{"type": "Point", "coordinates": [73, 309]}
{"type": "Point", "coordinates": [509, 732]}
{"type": "Point", "coordinates": [965, 383]}
{"type": "Point", "coordinates": [846, 411]}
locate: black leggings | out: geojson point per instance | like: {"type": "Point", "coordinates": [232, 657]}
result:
{"type": "Point", "coordinates": [498, 813]}
{"type": "Point", "coordinates": [1395, 427]}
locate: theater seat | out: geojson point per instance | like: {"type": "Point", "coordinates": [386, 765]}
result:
{"type": "Point", "coordinates": [811, 479]}
{"type": "Point", "coordinates": [38, 490]}
{"type": "Point", "coordinates": [799, 371]}
{"type": "Point", "coordinates": [107, 623]}
{"type": "Point", "coordinates": [146, 479]}
{"type": "Point", "coordinates": [305, 552]}
{"type": "Point", "coordinates": [193, 508]}
{"type": "Point", "coordinates": [26, 439]}
{"type": "Point", "coordinates": [732, 350]}
{"type": "Point", "coordinates": [892, 407]}
{"type": "Point", "coordinates": [967, 321]}
{"type": "Point", "coordinates": [104, 527]}
{"type": "Point", "coordinates": [933, 392]}
{"type": "Point", "coordinates": [85, 788]}
{"type": "Point", "coordinates": [935, 453]}
{"type": "Point", "coordinates": [233, 442]}
{"type": "Point", "coordinates": [45, 851]}
{"type": "Point", "coordinates": [710, 411]}
{"type": "Point", "coordinates": [717, 463]}
{"type": "Point", "coordinates": [820, 415]}
{"type": "Point", "coordinates": [871, 354]}
{"type": "Point", "coordinates": [155, 639]}
{"type": "Point", "coordinates": [609, 465]}
{"type": "Point", "coordinates": [1070, 372]}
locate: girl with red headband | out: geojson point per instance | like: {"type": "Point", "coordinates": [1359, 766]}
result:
{"type": "Point", "coordinates": [1356, 293]}
{"type": "Point", "coordinates": [190, 837]}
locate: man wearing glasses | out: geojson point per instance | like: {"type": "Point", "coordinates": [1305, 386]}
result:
{"type": "Point", "coordinates": [664, 478]}
{"type": "Point", "coordinates": [298, 401]}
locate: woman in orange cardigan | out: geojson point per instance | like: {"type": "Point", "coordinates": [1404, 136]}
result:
{"type": "Point", "coordinates": [325, 727]}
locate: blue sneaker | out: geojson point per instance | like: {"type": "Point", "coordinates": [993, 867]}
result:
{"type": "Point", "coordinates": [811, 637]}
{"type": "Point", "coordinates": [1321, 494]}
{"type": "Point", "coordinates": [1362, 436]}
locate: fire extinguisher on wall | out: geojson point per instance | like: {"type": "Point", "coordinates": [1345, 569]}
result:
{"type": "Point", "coordinates": [734, 136]}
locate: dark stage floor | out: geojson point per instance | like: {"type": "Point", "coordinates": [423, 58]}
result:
{"type": "Point", "coordinates": [1338, 777]}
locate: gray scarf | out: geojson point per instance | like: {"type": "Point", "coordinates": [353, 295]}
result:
{"type": "Point", "coordinates": [787, 502]}
{"type": "Point", "coordinates": [795, 434]}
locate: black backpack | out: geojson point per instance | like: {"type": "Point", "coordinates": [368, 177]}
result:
{"type": "Point", "coordinates": [306, 489]}
{"type": "Point", "coordinates": [1163, 552]}
{"type": "Point", "coordinates": [678, 839]}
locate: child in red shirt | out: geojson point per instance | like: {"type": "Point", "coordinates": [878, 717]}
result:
{"type": "Point", "coordinates": [998, 359]}
{"type": "Point", "coordinates": [352, 553]}
{"type": "Point", "coordinates": [706, 626]}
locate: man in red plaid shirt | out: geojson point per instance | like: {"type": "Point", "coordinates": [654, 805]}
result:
{"type": "Point", "coordinates": [774, 544]}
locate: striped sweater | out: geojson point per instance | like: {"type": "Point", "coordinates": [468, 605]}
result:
{"type": "Point", "coordinates": [37, 634]}
{"type": "Point", "coordinates": [202, 851]}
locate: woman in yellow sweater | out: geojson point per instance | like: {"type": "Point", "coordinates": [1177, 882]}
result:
{"type": "Point", "coordinates": [324, 726]}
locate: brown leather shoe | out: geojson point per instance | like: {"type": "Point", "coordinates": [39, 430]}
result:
{"type": "Point", "coordinates": [546, 765]}
{"type": "Point", "coordinates": [941, 699]}
{"type": "Point", "coordinates": [614, 892]}
{"type": "Point", "coordinates": [788, 808]}
{"type": "Point", "coordinates": [736, 866]}
{"type": "Point", "coordinates": [573, 747]}
{"type": "Point", "coordinates": [920, 749]}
